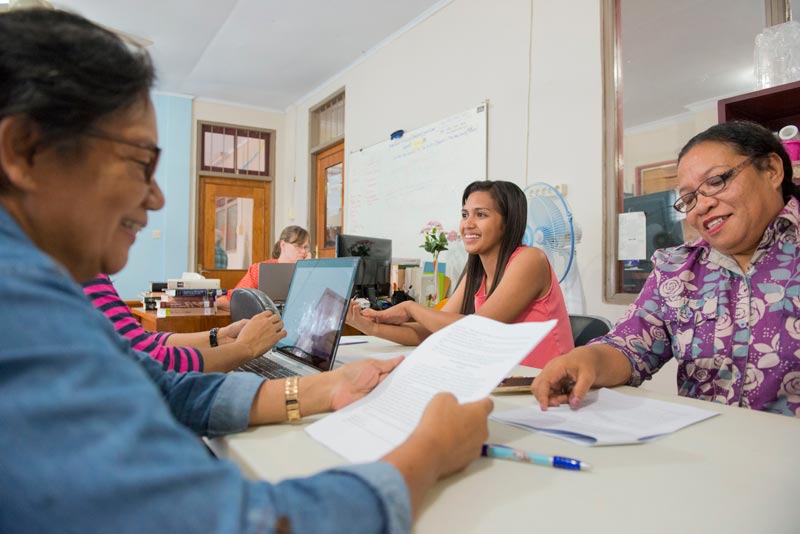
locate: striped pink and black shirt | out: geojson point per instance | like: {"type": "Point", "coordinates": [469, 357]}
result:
{"type": "Point", "coordinates": [106, 299]}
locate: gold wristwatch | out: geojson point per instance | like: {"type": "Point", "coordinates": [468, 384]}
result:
{"type": "Point", "coordinates": [292, 402]}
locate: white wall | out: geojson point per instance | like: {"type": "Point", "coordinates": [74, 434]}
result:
{"type": "Point", "coordinates": [537, 63]}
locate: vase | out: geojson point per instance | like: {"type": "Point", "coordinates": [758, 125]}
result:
{"type": "Point", "coordinates": [436, 278]}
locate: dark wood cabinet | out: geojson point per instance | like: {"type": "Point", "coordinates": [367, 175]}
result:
{"type": "Point", "coordinates": [775, 107]}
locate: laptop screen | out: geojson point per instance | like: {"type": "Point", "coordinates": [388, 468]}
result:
{"type": "Point", "coordinates": [315, 310]}
{"type": "Point", "coordinates": [274, 280]}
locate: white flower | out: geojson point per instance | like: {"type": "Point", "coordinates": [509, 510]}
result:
{"type": "Point", "coordinates": [753, 377]}
{"type": "Point", "coordinates": [757, 308]}
{"type": "Point", "coordinates": [671, 288]}
{"type": "Point", "coordinates": [793, 327]}
{"type": "Point", "coordinates": [724, 327]}
{"type": "Point", "coordinates": [790, 388]}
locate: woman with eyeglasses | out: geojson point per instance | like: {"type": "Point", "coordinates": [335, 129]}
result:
{"type": "Point", "coordinates": [98, 437]}
{"type": "Point", "coordinates": [725, 305]}
{"type": "Point", "coordinates": [291, 247]}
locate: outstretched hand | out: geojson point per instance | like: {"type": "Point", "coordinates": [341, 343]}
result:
{"type": "Point", "coordinates": [353, 381]}
{"type": "Point", "coordinates": [563, 380]}
{"type": "Point", "coordinates": [397, 314]}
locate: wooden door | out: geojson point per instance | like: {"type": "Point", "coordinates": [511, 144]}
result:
{"type": "Point", "coordinates": [329, 194]}
{"type": "Point", "coordinates": [233, 227]}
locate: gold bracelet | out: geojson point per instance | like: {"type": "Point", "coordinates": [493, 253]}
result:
{"type": "Point", "coordinates": [292, 402]}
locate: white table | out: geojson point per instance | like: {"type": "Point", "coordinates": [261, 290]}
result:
{"type": "Point", "coordinates": [738, 472]}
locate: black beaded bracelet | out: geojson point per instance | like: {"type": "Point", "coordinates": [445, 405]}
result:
{"type": "Point", "coordinates": [212, 337]}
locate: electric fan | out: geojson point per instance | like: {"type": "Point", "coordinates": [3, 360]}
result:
{"type": "Point", "coordinates": [551, 228]}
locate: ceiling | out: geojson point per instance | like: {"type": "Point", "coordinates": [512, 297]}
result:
{"type": "Point", "coordinates": [263, 53]}
{"type": "Point", "coordinates": [271, 53]}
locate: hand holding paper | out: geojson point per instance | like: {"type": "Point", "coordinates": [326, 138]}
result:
{"type": "Point", "coordinates": [467, 358]}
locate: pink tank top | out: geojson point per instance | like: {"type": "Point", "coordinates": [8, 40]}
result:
{"type": "Point", "coordinates": [550, 306]}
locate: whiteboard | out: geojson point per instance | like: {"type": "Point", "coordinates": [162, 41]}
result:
{"type": "Point", "coordinates": [393, 188]}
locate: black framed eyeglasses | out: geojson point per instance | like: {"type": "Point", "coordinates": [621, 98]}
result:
{"type": "Point", "coordinates": [149, 167]}
{"type": "Point", "coordinates": [711, 186]}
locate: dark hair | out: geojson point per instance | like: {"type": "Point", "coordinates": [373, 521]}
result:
{"type": "Point", "coordinates": [290, 234]}
{"type": "Point", "coordinates": [512, 205]}
{"type": "Point", "coordinates": [752, 140]}
{"type": "Point", "coordinates": [65, 73]}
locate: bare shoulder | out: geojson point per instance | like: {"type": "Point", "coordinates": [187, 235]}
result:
{"type": "Point", "coordinates": [530, 258]}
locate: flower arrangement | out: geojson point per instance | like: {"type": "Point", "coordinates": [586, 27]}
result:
{"type": "Point", "coordinates": [436, 239]}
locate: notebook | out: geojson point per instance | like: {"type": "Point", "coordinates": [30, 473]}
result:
{"type": "Point", "coordinates": [315, 310]}
{"type": "Point", "coordinates": [274, 280]}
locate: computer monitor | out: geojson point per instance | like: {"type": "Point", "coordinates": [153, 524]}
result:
{"type": "Point", "coordinates": [374, 273]}
{"type": "Point", "coordinates": [663, 229]}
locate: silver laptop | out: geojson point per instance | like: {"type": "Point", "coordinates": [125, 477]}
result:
{"type": "Point", "coordinates": [274, 280]}
{"type": "Point", "coordinates": [315, 310]}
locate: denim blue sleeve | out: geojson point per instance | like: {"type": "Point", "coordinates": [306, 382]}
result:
{"type": "Point", "coordinates": [211, 404]}
{"type": "Point", "coordinates": [88, 443]}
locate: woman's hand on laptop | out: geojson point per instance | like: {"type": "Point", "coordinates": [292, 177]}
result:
{"type": "Point", "coordinates": [260, 333]}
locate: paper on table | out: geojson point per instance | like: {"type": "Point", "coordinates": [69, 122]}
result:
{"type": "Point", "coordinates": [468, 359]}
{"type": "Point", "coordinates": [607, 418]}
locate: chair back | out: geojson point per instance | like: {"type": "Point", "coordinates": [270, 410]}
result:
{"type": "Point", "coordinates": [247, 302]}
{"type": "Point", "coordinates": [587, 327]}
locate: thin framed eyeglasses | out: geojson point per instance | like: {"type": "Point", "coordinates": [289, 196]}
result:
{"type": "Point", "coordinates": [303, 248]}
{"type": "Point", "coordinates": [149, 167]}
{"type": "Point", "coordinates": [711, 186]}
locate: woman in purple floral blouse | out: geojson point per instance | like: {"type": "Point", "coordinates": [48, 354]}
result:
{"type": "Point", "coordinates": [726, 305]}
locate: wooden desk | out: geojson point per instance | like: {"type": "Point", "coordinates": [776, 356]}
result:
{"type": "Point", "coordinates": [734, 473]}
{"type": "Point", "coordinates": [180, 324]}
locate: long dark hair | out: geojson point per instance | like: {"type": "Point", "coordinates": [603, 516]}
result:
{"type": "Point", "coordinates": [754, 141]}
{"type": "Point", "coordinates": [511, 204]}
{"type": "Point", "coordinates": [64, 73]}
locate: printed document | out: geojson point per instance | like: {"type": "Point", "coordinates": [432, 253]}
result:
{"type": "Point", "coordinates": [606, 417]}
{"type": "Point", "coordinates": [467, 358]}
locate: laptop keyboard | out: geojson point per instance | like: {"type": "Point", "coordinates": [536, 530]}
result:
{"type": "Point", "coordinates": [266, 368]}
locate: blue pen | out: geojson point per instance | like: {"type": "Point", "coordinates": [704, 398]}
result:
{"type": "Point", "coordinates": [502, 452]}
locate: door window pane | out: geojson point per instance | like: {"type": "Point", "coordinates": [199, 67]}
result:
{"type": "Point", "coordinates": [333, 204]}
{"type": "Point", "coordinates": [233, 233]}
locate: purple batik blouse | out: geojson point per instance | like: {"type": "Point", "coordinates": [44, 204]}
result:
{"type": "Point", "coordinates": [736, 335]}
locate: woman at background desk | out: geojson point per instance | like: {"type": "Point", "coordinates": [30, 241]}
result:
{"type": "Point", "coordinates": [726, 305]}
{"type": "Point", "coordinates": [504, 280]}
{"type": "Point", "coordinates": [291, 247]}
{"type": "Point", "coordinates": [98, 437]}
{"type": "Point", "coordinates": [220, 350]}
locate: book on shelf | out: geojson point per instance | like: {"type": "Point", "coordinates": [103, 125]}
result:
{"type": "Point", "coordinates": [187, 304]}
{"type": "Point", "coordinates": [157, 287]}
{"type": "Point", "coordinates": [195, 292]}
{"type": "Point", "coordinates": [180, 312]}
{"type": "Point", "coordinates": [198, 298]}
{"type": "Point", "coordinates": [200, 283]}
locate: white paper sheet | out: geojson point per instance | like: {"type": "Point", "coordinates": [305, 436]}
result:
{"type": "Point", "coordinates": [468, 359]}
{"type": "Point", "coordinates": [607, 418]}
{"type": "Point", "coordinates": [632, 237]}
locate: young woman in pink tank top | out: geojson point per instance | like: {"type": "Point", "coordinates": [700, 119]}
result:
{"type": "Point", "coordinates": [503, 280]}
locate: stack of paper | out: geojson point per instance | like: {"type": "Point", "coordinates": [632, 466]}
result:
{"type": "Point", "coordinates": [606, 418]}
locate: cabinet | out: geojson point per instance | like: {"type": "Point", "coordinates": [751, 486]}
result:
{"type": "Point", "coordinates": [774, 107]}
